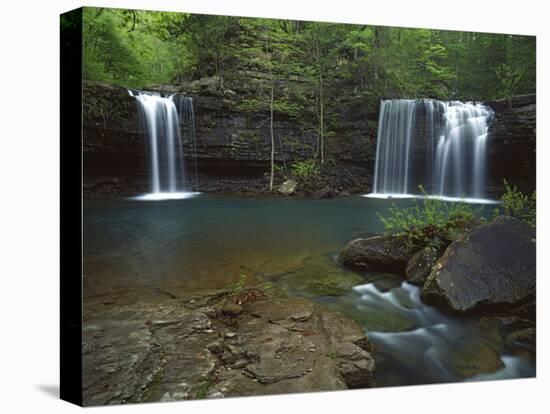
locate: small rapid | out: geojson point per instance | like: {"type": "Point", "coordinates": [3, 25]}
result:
{"type": "Point", "coordinates": [415, 343]}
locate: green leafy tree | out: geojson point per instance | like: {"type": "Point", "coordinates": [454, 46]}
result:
{"type": "Point", "coordinates": [509, 78]}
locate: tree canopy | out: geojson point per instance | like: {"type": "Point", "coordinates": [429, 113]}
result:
{"type": "Point", "coordinates": [136, 48]}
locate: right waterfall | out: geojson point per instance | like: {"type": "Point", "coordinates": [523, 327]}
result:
{"type": "Point", "coordinates": [439, 145]}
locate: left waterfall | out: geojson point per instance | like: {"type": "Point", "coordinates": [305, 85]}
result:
{"type": "Point", "coordinates": [161, 124]}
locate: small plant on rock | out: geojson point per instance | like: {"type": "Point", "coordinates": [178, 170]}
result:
{"type": "Point", "coordinates": [236, 289]}
{"type": "Point", "coordinates": [433, 223]}
{"type": "Point", "coordinates": [518, 204]}
{"type": "Point", "coordinates": [305, 169]}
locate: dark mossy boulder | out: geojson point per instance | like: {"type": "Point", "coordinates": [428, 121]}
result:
{"type": "Point", "coordinates": [490, 270]}
{"type": "Point", "coordinates": [420, 265]}
{"type": "Point", "coordinates": [383, 253]}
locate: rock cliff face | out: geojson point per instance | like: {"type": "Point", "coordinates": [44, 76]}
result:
{"type": "Point", "coordinates": [113, 145]}
{"type": "Point", "coordinates": [233, 140]}
{"type": "Point", "coordinates": [512, 145]}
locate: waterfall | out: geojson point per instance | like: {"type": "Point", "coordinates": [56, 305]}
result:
{"type": "Point", "coordinates": [439, 145]}
{"type": "Point", "coordinates": [162, 124]}
{"type": "Point", "coordinates": [186, 114]}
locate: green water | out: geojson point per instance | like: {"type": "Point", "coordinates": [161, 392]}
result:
{"type": "Point", "coordinates": [133, 248]}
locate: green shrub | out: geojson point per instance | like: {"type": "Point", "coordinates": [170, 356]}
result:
{"type": "Point", "coordinates": [304, 169]}
{"type": "Point", "coordinates": [432, 223]}
{"type": "Point", "coordinates": [519, 205]}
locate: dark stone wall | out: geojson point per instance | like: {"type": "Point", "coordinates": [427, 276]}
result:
{"type": "Point", "coordinates": [114, 153]}
{"type": "Point", "coordinates": [233, 145]}
{"type": "Point", "coordinates": [512, 143]}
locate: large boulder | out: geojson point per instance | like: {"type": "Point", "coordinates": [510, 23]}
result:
{"type": "Point", "coordinates": [491, 269]}
{"type": "Point", "coordinates": [383, 253]}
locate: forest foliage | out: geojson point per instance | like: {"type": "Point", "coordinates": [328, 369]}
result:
{"type": "Point", "coordinates": [137, 48]}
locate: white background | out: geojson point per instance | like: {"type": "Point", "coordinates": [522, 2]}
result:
{"type": "Point", "coordinates": [29, 219]}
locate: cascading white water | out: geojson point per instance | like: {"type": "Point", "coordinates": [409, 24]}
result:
{"type": "Point", "coordinates": [391, 174]}
{"type": "Point", "coordinates": [454, 135]}
{"type": "Point", "coordinates": [161, 122]}
{"type": "Point", "coordinates": [186, 114]}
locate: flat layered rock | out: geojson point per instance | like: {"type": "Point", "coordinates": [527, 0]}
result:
{"type": "Point", "coordinates": [166, 350]}
{"type": "Point", "coordinates": [492, 269]}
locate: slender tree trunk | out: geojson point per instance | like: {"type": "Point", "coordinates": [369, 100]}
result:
{"type": "Point", "coordinates": [376, 54]}
{"type": "Point", "coordinates": [321, 110]}
{"type": "Point", "coordinates": [272, 172]}
{"type": "Point", "coordinates": [321, 141]}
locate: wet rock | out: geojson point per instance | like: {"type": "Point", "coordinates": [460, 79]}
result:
{"type": "Point", "coordinates": [145, 352]}
{"type": "Point", "coordinates": [475, 359]}
{"type": "Point", "coordinates": [324, 192]}
{"type": "Point", "coordinates": [288, 187]}
{"type": "Point", "coordinates": [320, 278]}
{"type": "Point", "coordinates": [384, 321]}
{"type": "Point", "coordinates": [376, 253]}
{"type": "Point", "coordinates": [301, 316]}
{"type": "Point", "coordinates": [491, 269]}
{"type": "Point", "coordinates": [527, 311]}
{"type": "Point", "coordinates": [356, 365]}
{"type": "Point", "coordinates": [420, 265]}
{"type": "Point", "coordinates": [519, 330]}
{"type": "Point", "coordinates": [216, 347]}
{"type": "Point", "coordinates": [231, 310]}
{"type": "Point", "coordinates": [525, 336]}
{"type": "Point", "coordinates": [164, 351]}
{"type": "Point", "coordinates": [241, 363]}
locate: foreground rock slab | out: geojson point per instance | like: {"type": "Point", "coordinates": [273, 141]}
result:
{"type": "Point", "coordinates": [491, 269]}
{"type": "Point", "coordinates": [177, 349]}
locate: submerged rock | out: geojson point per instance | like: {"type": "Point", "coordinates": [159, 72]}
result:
{"type": "Point", "coordinates": [491, 269]}
{"type": "Point", "coordinates": [475, 359]}
{"type": "Point", "coordinates": [288, 187]}
{"type": "Point", "coordinates": [376, 253]}
{"type": "Point", "coordinates": [420, 265]}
